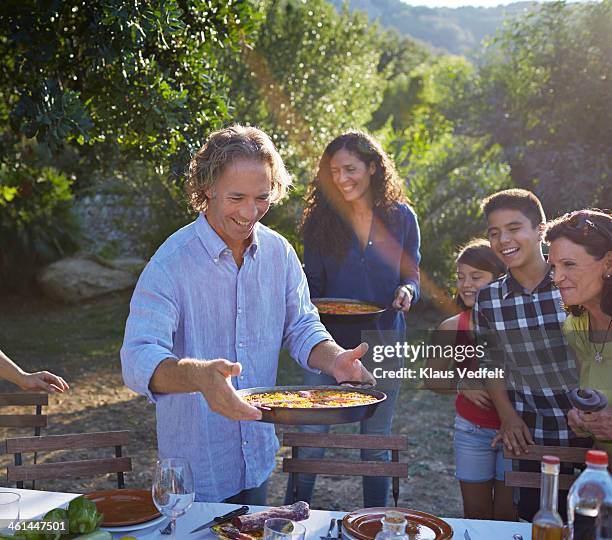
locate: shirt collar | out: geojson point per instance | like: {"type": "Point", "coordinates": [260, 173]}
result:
{"type": "Point", "coordinates": [510, 285]}
{"type": "Point", "coordinates": [214, 245]}
{"type": "Point", "coordinates": [254, 246]}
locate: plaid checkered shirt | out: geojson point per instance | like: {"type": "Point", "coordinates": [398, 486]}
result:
{"type": "Point", "coordinates": [522, 332]}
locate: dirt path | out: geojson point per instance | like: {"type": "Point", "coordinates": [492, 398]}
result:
{"type": "Point", "coordinates": [82, 344]}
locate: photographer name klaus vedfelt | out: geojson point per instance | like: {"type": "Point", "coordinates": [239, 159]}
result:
{"type": "Point", "coordinates": [429, 373]}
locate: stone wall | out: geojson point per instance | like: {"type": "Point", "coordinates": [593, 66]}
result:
{"type": "Point", "coordinates": [113, 224]}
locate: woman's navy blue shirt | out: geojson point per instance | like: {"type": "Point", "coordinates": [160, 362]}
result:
{"type": "Point", "coordinates": [391, 258]}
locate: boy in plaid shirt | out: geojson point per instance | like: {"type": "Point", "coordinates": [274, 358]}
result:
{"type": "Point", "coordinates": [520, 318]}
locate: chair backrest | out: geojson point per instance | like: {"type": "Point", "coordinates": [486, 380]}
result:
{"type": "Point", "coordinates": [36, 421]}
{"type": "Point", "coordinates": [68, 469]}
{"type": "Point", "coordinates": [24, 399]}
{"type": "Point", "coordinates": [536, 453]}
{"type": "Point", "coordinates": [394, 469]}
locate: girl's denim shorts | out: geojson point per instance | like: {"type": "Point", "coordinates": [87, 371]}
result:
{"type": "Point", "coordinates": [475, 460]}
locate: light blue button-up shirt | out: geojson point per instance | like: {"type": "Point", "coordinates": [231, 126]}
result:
{"type": "Point", "coordinates": [192, 301]}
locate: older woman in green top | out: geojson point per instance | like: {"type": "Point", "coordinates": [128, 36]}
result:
{"type": "Point", "coordinates": [581, 258]}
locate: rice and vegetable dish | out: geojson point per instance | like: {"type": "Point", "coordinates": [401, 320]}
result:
{"type": "Point", "coordinates": [310, 399]}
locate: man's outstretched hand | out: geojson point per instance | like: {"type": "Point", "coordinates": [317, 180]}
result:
{"type": "Point", "coordinates": [216, 387]}
{"type": "Point", "coordinates": [347, 366]}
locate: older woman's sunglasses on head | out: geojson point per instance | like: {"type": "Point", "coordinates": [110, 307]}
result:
{"type": "Point", "coordinates": [580, 222]}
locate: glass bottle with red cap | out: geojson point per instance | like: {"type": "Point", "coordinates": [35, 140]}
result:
{"type": "Point", "coordinates": [547, 523]}
{"type": "Point", "coordinates": [587, 495]}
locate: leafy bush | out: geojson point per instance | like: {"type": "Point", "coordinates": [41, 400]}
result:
{"type": "Point", "coordinates": [36, 225]}
{"type": "Point", "coordinates": [109, 84]}
{"type": "Point", "coordinates": [447, 174]}
{"type": "Point", "coordinates": [312, 73]}
{"type": "Point", "coordinates": [167, 206]}
{"type": "Point", "coordinates": [543, 94]}
{"type": "Point", "coordinates": [118, 80]}
{"type": "Point", "coordinates": [446, 180]}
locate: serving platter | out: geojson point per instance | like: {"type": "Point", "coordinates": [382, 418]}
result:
{"type": "Point", "coordinates": [364, 524]}
{"type": "Point", "coordinates": [321, 416]}
{"type": "Point", "coordinates": [372, 310]}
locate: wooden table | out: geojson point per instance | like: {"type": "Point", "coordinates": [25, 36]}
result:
{"type": "Point", "coordinates": [36, 503]}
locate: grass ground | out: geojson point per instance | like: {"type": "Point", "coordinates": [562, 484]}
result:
{"type": "Point", "coordinates": [82, 344]}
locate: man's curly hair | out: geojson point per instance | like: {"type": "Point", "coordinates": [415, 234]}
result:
{"type": "Point", "coordinates": [325, 224]}
{"type": "Point", "coordinates": [224, 147]}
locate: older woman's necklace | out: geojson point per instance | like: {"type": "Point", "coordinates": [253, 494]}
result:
{"type": "Point", "coordinates": [599, 353]}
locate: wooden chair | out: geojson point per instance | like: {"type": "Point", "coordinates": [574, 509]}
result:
{"type": "Point", "coordinates": [536, 453]}
{"type": "Point", "coordinates": [19, 472]}
{"type": "Point", "coordinates": [25, 399]}
{"type": "Point", "coordinates": [393, 468]}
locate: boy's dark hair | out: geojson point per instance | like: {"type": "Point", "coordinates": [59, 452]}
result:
{"type": "Point", "coordinates": [515, 199]}
{"type": "Point", "coordinates": [478, 254]}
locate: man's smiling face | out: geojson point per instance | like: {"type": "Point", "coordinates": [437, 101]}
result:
{"type": "Point", "coordinates": [238, 200]}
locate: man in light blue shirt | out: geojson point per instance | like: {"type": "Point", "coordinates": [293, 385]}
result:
{"type": "Point", "coordinates": [212, 310]}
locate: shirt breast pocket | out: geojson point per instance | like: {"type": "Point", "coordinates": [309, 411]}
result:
{"type": "Point", "coordinates": [269, 323]}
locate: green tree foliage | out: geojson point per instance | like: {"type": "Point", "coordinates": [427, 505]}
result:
{"type": "Point", "coordinates": [543, 94]}
{"type": "Point", "coordinates": [447, 178]}
{"type": "Point", "coordinates": [312, 72]}
{"type": "Point", "coordinates": [35, 222]}
{"type": "Point", "coordinates": [400, 57]}
{"type": "Point", "coordinates": [92, 87]}
{"type": "Point", "coordinates": [136, 79]}
{"type": "Point", "coordinates": [427, 87]}
{"type": "Point", "coordinates": [447, 174]}
{"type": "Point", "coordinates": [399, 54]}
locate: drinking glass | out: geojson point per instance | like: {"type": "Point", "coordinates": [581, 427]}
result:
{"type": "Point", "coordinates": [9, 510]}
{"type": "Point", "coordinates": [283, 529]}
{"type": "Point", "coordinates": [173, 489]}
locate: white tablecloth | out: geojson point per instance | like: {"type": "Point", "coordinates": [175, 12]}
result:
{"type": "Point", "coordinates": [36, 503]}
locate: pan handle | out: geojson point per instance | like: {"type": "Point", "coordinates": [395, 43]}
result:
{"type": "Point", "coordinates": [356, 384]}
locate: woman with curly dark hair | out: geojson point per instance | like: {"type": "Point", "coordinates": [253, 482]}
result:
{"type": "Point", "coordinates": [361, 241]}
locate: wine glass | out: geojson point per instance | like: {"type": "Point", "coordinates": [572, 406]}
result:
{"type": "Point", "coordinates": [9, 510]}
{"type": "Point", "coordinates": [173, 489]}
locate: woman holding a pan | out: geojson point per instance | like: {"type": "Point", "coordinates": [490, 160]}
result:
{"type": "Point", "coordinates": [361, 241]}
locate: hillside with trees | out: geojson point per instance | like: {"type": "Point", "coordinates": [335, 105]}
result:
{"type": "Point", "coordinates": [452, 30]}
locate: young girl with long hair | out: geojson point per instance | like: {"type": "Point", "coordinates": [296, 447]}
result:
{"type": "Point", "coordinates": [479, 466]}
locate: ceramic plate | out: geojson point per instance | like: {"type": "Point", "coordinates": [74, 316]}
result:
{"type": "Point", "coordinates": [364, 524]}
{"type": "Point", "coordinates": [124, 507]}
{"type": "Point", "coordinates": [158, 522]}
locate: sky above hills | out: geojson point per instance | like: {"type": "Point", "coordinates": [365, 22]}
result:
{"type": "Point", "coordinates": [460, 3]}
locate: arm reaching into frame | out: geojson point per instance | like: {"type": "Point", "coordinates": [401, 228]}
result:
{"type": "Point", "coordinates": [40, 380]}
